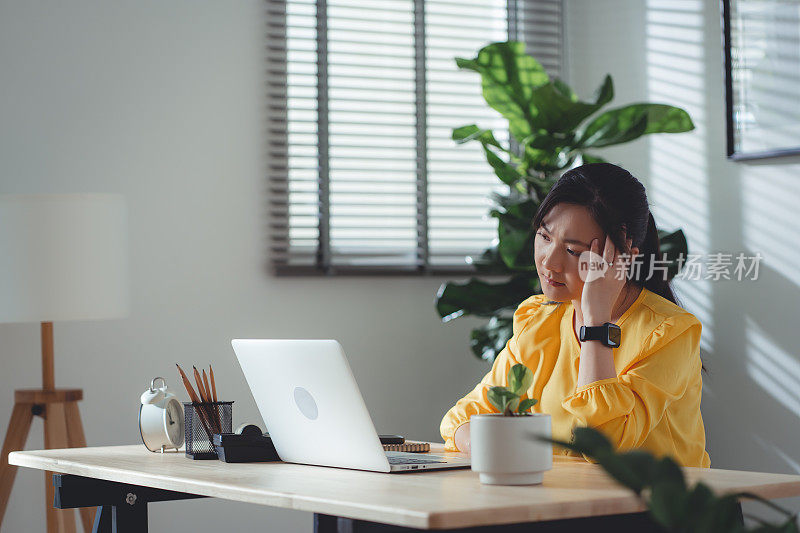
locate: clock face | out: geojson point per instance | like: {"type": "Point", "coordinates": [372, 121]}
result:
{"type": "Point", "coordinates": [173, 421]}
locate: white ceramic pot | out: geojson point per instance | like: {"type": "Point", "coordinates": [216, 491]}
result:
{"type": "Point", "coordinates": [504, 451]}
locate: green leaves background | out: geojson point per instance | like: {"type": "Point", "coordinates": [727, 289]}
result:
{"type": "Point", "coordinates": [552, 131]}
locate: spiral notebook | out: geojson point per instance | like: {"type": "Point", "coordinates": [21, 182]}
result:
{"type": "Point", "coordinates": [414, 447]}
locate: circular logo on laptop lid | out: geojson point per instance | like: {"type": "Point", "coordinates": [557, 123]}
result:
{"type": "Point", "coordinates": [305, 403]}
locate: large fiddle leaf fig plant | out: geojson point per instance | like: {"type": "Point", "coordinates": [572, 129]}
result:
{"type": "Point", "coordinates": [551, 131]}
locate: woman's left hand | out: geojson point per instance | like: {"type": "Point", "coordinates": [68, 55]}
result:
{"type": "Point", "coordinates": [605, 275]}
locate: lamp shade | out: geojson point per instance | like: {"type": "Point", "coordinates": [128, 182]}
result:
{"type": "Point", "coordinates": [63, 257]}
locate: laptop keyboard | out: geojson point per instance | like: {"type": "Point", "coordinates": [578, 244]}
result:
{"type": "Point", "coordinates": [407, 459]}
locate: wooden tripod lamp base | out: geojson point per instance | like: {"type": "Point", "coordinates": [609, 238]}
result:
{"type": "Point", "coordinates": [62, 429]}
{"type": "Point", "coordinates": [65, 258]}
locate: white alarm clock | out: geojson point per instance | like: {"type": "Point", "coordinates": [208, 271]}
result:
{"type": "Point", "coordinates": [161, 421]}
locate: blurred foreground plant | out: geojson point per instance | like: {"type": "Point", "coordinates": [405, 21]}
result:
{"type": "Point", "coordinates": [660, 484]}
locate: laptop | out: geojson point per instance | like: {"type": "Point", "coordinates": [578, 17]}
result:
{"type": "Point", "coordinates": [314, 412]}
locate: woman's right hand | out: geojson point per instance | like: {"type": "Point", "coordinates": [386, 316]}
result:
{"type": "Point", "coordinates": [461, 438]}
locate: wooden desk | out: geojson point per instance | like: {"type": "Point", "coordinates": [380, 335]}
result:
{"type": "Point", "coordinates": [427, 500]}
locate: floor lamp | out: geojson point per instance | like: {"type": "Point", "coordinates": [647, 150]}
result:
{"type": "Point", "coordinates": [62, 257]}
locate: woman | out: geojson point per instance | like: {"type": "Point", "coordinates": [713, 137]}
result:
{"type": "Point", "coordinates": [645, 393]}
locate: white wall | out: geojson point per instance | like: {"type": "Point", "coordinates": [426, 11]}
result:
{"type": "Point", "coordinates": [163, 102]}
{"type": "Point", "coordinates": [670, 52]}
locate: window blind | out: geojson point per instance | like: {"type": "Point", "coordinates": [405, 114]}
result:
{"type": "Point", "coordinates": [362, 99]}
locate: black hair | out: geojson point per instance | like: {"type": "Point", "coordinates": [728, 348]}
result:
{"type": "Point", "coordinates": [618, 203]}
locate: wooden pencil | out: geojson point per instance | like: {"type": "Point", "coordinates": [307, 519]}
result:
{"type": "Point", "coordinates": [213, 406]}
{"type": "Point", "coordinates": [188, 385]}
{"type": "Point", "coordinates": [198, 401]}
{"type": "Point", "coordinates": [199, 381]}
{"type": "Point", "coordinates": [205, 400]}
{"type": "Point", "coordinates": [214, 390]}
{"type": "Point", "coordinates": [213, 384]}
{"type": "Point", "coordinates": [207, 386]}
{"type": "Point", "coordinates": [195, 400]}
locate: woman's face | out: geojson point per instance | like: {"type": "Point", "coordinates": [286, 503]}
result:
{"type": "Point", "coordinates": [566, 232]}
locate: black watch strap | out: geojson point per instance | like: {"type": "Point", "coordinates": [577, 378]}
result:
{"type": "Point", "coordinates": [609, 334]}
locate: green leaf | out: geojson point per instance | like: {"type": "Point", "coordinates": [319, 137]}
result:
{"type": "Point", "coordinates": [516, 234]}
{"type": "Point", "coordinates": [526, 404]}
{"type": "Point", "coordinates": [505, 171]}
{"type": "Point", "coordinates": [467, 64]}
{"type": "Point", "coordinates": [627, 123]}
{"type": "Point", "coordinates": [504, 400]}
{"type": "Point", "coordinates": [474, 133]}
{"type": "Point", "coordinates": [489, 340]}
{"type": "Point", "coordinates": [669, 499]}
{"type": "Point", "coordinates": [508, 77]}
{"type": "Point", "coordinates": [466, 133]}
{"type": "Point", "coordinates": [632, 469]}
{"type": "Point", "coordinates": [673, 246]}
{"type": "Point", "coordinates": [722, 515]}
{"type": "Point", "coordinates": [561, 112]}
{"type": "Point", "coordinates": [565, 89]}
{"type": "Point", "coordinates": [546, 160]}
{"type": "Point", "coordinates": [516, 242]}
{"type": "Point", "coordinates": [590, 441]}
{"type": "Point", "coordinates": [668, 504]}
{"type": "Point", "coordinates": [481, 298]}
{"type": "Point", "coordinates": [668, 471]}
{"type": "Point", "coordinates": [699, 501]}
{"type": "Point", "coordinates": [520, 379]}
{"type": "Point", "coordinates": [605, 93]}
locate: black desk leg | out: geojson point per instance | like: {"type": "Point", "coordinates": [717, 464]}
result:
{"type": "Point", "coordinates": [102, 520]}
{"type": "Point", "coordinates": [121, 508]}
{"type": "Point", "coordinates": [119, 519]}
{"type": "Point", "coordinates": [324, 523]}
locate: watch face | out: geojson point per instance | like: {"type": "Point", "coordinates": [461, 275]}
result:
{"type": "Point", "coordinates": [173, 421]}
{"type": "Point", "coordinates": [614, 335]}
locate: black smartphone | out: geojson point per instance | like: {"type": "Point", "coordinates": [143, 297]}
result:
{"type": "Point", "coordinates": [392, 439]}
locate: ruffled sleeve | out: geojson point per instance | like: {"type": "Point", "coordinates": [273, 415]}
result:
{"type": "Point", "coordinates": [628, 407]}
{"type": "Point", "coordinates": [476, 401]}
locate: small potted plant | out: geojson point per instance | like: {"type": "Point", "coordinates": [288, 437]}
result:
{"type": "Point", "coordinates": [503, 452]}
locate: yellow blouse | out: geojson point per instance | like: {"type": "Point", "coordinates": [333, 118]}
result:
{"type": "Point", "coordinates": [653, 403]}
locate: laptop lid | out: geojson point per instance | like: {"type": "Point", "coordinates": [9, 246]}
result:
{"type": "Point", "coordinates": [310, 403]}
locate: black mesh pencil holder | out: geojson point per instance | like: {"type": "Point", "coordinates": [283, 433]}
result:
{"type": "Point", "coordinates": [202, 421]}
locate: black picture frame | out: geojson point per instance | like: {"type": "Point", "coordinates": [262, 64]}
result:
{"type": "Point", "coordinates": [735, 105]}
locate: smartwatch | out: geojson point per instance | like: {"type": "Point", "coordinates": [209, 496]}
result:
{"type": "Point", "coordinates": [609, 334]}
